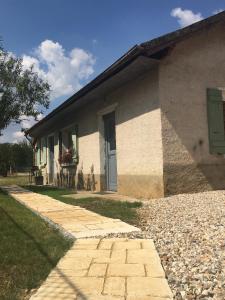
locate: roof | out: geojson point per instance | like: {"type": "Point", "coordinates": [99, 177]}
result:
{"type": "Point", "coordinates": [155, 48]}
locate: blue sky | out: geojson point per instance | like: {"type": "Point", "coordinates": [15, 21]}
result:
{"type": "Point", "coordinates": [72, 41]}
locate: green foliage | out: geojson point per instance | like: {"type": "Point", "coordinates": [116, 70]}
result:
{"type": "Point", "coordinates": [29, 249]}
{"type": "Point", "coordinates": [18, 157]}
{"type": "Point", "coordinates": [23, 92]}
{"type": "Point", "coordinates": [123, 210]}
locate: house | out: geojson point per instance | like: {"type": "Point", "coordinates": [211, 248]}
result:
{"type": "Point", "coordinates": [150, 125]}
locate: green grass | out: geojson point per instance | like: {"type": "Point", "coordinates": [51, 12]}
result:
{"type": "Point", "coordinates": [29, 249]}
{"type": "Point", "coordinates": [20, 180]}
{"type": "Point", "coordinates": [125, 211]}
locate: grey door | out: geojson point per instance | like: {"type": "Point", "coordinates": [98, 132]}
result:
{"type": "Point", "coordinates": [110, 151]}
{"type": "Point", "coordinates": [51, 158]}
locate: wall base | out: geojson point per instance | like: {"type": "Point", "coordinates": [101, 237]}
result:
{"type": "Point", "coordinates": [141, 186]}
{"type": "Point", "coordinates": [193, 178]}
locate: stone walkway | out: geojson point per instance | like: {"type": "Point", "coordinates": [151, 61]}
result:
{"type": "Point", "coordinates": [97, 269]}
{"type": "Point", "coordinates": [75, 220]}
{"type": "Point", "coordinates": [107, 269]}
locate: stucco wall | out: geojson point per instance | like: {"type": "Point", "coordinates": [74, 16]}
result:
{"type": "Point", "coordinates": [138, 138]}
{"type": "Point", "coordinates": [193, 65]}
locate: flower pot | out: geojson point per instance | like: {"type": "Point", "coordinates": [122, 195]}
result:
{"type": "Point", "coordinates": [38, 180]}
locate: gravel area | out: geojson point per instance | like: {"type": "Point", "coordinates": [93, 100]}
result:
{"type": "Point", "coordinates": [189, 234]}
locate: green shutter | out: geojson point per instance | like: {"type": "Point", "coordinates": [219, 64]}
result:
{"type": "Point", "coordinates": [75, 143]}
{"type": "Point", "coordinates": [215, 121]}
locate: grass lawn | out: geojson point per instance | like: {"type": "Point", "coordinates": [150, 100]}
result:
{"type": "Point", "coordinates": [125, 211]}
{"type": "Point", "coordinates": [20, 180]}
{"type": "Point", "coordinates": [29, 249]}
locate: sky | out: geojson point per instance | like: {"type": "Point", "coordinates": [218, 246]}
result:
{"type": "Point", "coordinates": [70, 42]}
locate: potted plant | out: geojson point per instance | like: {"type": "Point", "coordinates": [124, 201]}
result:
{"type": "Point", "coordinates": [39, 179]}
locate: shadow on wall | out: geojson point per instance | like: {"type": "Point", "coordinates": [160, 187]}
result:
{"type": "Point", "coordinates": [188, 164]}
{"type": "Point", "coordinates": [87, 182]}
{"type": "Point", "coordinates": [193, 66]}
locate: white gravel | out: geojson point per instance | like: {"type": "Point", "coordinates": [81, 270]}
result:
{"type": "Point", "coordinates": [189, 234]}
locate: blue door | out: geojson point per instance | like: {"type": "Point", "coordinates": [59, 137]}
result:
{"type": "Point", "coordinates": [110, 151]}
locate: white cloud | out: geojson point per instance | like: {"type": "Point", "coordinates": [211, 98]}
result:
{"type": "Point", "coordinates": [64, 71]}
{"type": "Point", "coordinates": [185, 17]}
{"type": "Point", "coordinates": [27, 122]}
{"type": "Point", "coordinates": [18, 136]}
{"type": "Point", "coordinates": [12, 134]}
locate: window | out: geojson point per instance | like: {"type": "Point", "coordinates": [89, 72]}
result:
{"type": "Point", "coordinates": [68, 145]}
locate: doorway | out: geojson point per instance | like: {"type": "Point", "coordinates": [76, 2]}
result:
{"type": "Point", "coordinates": [110, 151]}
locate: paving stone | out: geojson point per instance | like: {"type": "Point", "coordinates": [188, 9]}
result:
{"type": "Point", "coordinates": [146, 298]}
{"type": "Point", "coordinates": [100, 297]}
{"type": "Point", "coordinates": [76, 285]}
{"type": "Point", "coordinates": [97, 270]}
{"type": "Point", "coordinates": [46, 293]}
{"type": "Point", "coordinates": [147, 244]}
{"type": "Point", "coordinates": [127, 244]}
{"type": "Point", "coordinates": [126, 270]}
{"type": "Point", "coordinates": [81, 254]}
{"type": "Point", "coordinates": [69, 262]}
{"type": "Point", "coordinates": [148, 286]}
{"type": "Point", "coordinates": [86, 247]}
{"type": "Point", "coordinates": [89, 285]}
{"type": "Point", "coordinates": [105, 244]}
{"type": "Point", "coordinates": [54, 296]}
{"type": "Point", "coordinates": [142, 256]}
{"type": "Point", "coordinates": [67, 273]}
{"type": "Point", "coordinates": [114, 286]}
{"type": "Point", "coordinates": [118, 256]}
{"type": "Point", "coordinates": [85, 242]}
{"type": "Point", "coordinates": [154, 269]}
{"type": "Point", "coordinates": [93, 227]}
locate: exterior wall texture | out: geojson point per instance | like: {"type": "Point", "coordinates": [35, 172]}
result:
{"type": "Point", "coordinates": [184, 76]}
{"type": "Point", "coordinates": [138, 138]}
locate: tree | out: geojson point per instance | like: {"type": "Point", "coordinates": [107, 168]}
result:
{"type": "Point", "coordinates": [21, 156]}
{"type": "Point", "coordinates": [15, 157]}
{"type": "Point", "coordinates": [5, 158]}
{"type": "Point", "coordinates": [22, 91]}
